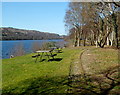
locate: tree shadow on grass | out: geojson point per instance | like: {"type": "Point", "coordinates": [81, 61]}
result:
{"type": "Point", "coordinates": [105, 83]}
{"type": "Point", "coordinates": [39, 86]}
{"type": "Point", "coordinates": [44, 86]}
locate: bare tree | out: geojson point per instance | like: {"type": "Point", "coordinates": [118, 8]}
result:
{"type": "Point", "coordinates": [18, 50]}
{"type": "Point", "coordinates": [73, 20]}
{"type": "Point", "coordinates": [94, 22]}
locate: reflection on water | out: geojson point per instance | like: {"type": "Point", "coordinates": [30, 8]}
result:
{"type": "Point", "coordinates": [20, 47]}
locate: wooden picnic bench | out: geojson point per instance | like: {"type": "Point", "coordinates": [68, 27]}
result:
{"type": "Point", "coordinates": [48, 53]}
{"type": "Point", "coordinates": [56, 49]}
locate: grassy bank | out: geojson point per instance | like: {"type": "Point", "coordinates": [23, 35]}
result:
{"type": "Point", "coordinates": [21, 75]}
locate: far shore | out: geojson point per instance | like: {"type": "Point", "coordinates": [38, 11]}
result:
{"type": "Point", "coordinates": [31, 39]}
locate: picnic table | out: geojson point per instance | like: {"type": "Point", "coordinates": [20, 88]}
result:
{"type": "Point", "coordinates": [57, 49]}
{"type": "Point", "coordinates": [41, 53]}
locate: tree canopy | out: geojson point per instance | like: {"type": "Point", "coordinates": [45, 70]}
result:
{"type": "Point", "coordinates": [93, 23]}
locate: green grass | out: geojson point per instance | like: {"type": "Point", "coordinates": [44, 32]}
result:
{"type": "Point", "coordinates": [21, 75]}
{"type": "Point", "coordinates": [105, 59]}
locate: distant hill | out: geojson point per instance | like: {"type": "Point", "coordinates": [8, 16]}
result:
{"type": "Point", "coordinates": [10, 33]}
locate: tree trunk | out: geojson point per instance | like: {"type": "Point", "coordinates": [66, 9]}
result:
{"type": "Point", "coordinates": [92, 38]}
{"type": "Point", "coordinates": [103, 40]}
{"type": "Point", "coordinates": [114, 18]}
{"type": "Point", "coordinates": [75, 40]}
{"type": "Point", "coordinates": [96, 43]}
{"type": "Point", "coordinates": [111, 38]}
{"type": "Point", "coordinates": [78, 40]}
{"type": "Point", "coordinates": [107, 32]}
{"type": "Point", "coordinates": [84, 42]}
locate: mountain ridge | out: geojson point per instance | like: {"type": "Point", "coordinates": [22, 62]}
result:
{"type": "Point", "coordinates": [10, 33]}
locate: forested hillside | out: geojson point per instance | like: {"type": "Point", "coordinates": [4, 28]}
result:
{"type": "Point", "coordinates": [22, 34]}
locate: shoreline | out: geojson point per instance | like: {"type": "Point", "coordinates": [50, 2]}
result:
{"type": "Point", "coordinates": [32, 39]}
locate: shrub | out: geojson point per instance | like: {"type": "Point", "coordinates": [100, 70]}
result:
{"type": "Point", "coordinates": [47, 45]}
{"type": "Point", "coordinates": [35, 46]}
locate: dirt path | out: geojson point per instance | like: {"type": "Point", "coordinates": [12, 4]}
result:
{"type": "Point", "coordinates": [84, 76]}
{"type": "Point", "coordinates": [87, 58]}
{"type": "Point", "coordinates": [76, 67]}
{"type": "Point", "coordinates": [82, 64]}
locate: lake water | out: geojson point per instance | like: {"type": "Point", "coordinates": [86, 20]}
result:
{"type": "Point", "coordinates": [10, 47]}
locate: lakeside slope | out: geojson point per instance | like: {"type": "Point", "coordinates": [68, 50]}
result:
{"type": "Point", "coordinates": [76, 70]}
{"type": "Point", "coordinates": [9, 33]}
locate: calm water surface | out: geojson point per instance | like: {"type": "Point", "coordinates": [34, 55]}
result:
{"type": "Point", "coordinates": [9, 47]}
